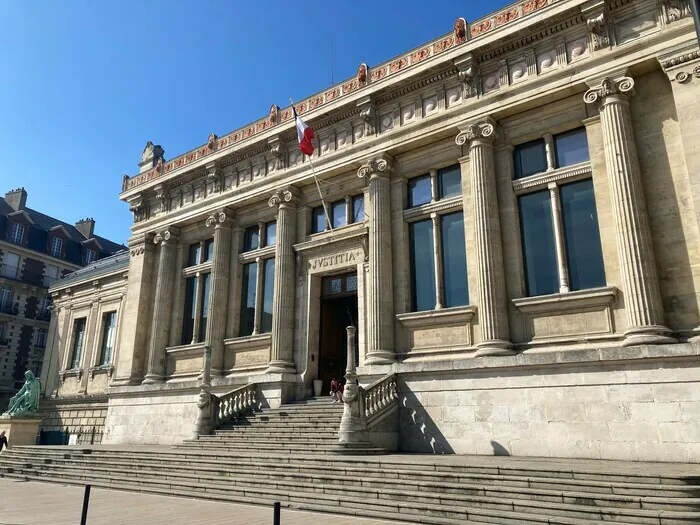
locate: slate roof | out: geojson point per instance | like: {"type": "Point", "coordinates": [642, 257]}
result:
{"type": "Point", "coordinates": [118, 261]}
{"type": "Point", "coordinates": [38, 234]}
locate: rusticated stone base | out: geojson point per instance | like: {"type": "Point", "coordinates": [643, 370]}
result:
{"type": "Point", "coordinates": [20, 431]}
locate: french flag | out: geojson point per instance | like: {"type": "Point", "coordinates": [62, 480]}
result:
{"type": "Point", "coordinates": [305, 134]}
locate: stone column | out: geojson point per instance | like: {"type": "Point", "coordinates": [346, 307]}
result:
{"type": "Point", "coordinates": [380, 299]}
{"type": "Point", "coordinates": [282, 351]}
{"type": "Point", "coordinates": [162, 305]}
{"type": "Point", "coordinates": [493, 306]}
{"type": "Point", "coordinates": [218, 294]}
{"type": "Point", "coordinates": [640, 282]}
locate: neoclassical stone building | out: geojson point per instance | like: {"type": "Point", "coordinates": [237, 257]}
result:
{"type": "Point", "coordinates": [513, 222]}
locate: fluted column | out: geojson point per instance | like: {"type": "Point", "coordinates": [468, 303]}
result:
{"type": "Point", "coordinates": [162, 305]}
{"type": "Point", "coordinates": [640, 282]}
{"type": "Point", "coordinates": [282, 351]}
{"type": "Point", "coordinates": [380, 302]}
{"type": "Point", "coordinates": [492, 306]}
{"type": "Point", "coordinates": [218, 294]}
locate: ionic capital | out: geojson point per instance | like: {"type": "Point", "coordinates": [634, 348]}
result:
{"type": "Point", "coordinates": [219, 218]}
{"type": "Point", "coordinates": [168, 235]}
{"type": "Point", "coordinates": [283, 197]}
{"type": "Point", "coordinates": [607, 87]}
{"type": "Point", "coordinates": [378, 166]}
{"type": "Point", "coordinates": [479, 129]}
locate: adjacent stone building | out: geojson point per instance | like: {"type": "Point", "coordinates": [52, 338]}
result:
{"type": "Point", "coordinates": [511, 221]}
{"type": "Point", "coordinates": [35, 251]}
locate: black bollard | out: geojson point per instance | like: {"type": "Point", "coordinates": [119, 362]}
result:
{"type": "Point", "coordinates": [276, 514]}
{"type": "Point", "coordinates": [86, 502]}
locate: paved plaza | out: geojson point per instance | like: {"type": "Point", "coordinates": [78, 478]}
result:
{"type": "Point", "coordinates": [29, 503]}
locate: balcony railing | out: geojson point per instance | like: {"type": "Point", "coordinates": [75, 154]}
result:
{"type": "Point", "coordinates": [43, 315]}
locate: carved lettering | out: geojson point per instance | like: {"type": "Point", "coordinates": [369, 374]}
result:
{"type": "Point", "coordinates": [333, 260]}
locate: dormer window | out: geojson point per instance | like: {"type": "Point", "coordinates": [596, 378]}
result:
{"type": "Point", "coordinates": [17, 234]}
{"type": "Point", "coordinates": [56, 246]}
{"type": "Point", "coordinates": [90, 256]}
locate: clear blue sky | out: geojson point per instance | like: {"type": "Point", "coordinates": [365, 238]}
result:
{"type": "Point", "coordinates": [84, 85]}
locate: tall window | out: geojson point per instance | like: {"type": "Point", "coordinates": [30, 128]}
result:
{"type": "Point", "coordinates": [109, 332]}
{"type": "Point", "coordinates": [422, 265]}
{"type": "Point", "coordinates": [268, 294]}
{"type": "Point", "coordinates": [10, 265]}
{"type": "Point", "coordinates": [454, 260]}
{"type": "Point", "coordinates": [78, 342]}
{"type": "Point", "coordinates": [197, 282]}
{"type": "Point", "coordinates": [271, 233]}
{"type": "Point", "coordinates": [318, 219]}
{"type": "Point", "coordinates": [3, 340]}
{"type": "Point", "coordinates": [358, 208]}
{"type": "Point", "coordinates": [251, 238]}
{"type": "Point", "coordinates": [530, 158]}
{"type": "Point", "coordinates": [5, 298]}
{"type": "Point", "coordinates": [439, 184]}
{"type": "Point", "coordinates": [567, 207]}
{"type": "Point", "coordinates": [56, 246]}
{"type": "Point", "coordinates": [256, 309]}
{"type": "Point", "coordinates": [90, 256]}
{"type": "Point", "coordinates": [41, 335]}
{"type": "Point", "coordinates": [248, 299]}
{"type": "Point", "coordinates": [17, 233]}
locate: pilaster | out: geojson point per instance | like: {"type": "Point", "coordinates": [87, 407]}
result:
{"type": "Point", "coordinates": [162, 305]}
{"type": "Point", "coordinates": [380, 300]}
{"type": "Point", "coordinates": [492, 305]}
{"type": "Point", "coordinates": [282, 349]}
{"type": "Point", "coordinates": [640, 282]}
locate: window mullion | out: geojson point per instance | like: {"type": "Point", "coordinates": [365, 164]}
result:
{"type": "Point", "coordinates": [559, 238]}
{"type": "Point", "coordinates": [349, 216]}
{"type": "Point", "coordinates": [434, 186]}
{"type": "Point", "coordinates": [437, 250]}
{"type": "Point", "coordinates": [262, 241]}
{"type": "Point", "coordinates": [549, 151]}
{"type": "Point", "coordinates": [197, 308]}
{"type": "Point", "coordinates": [258, 296]}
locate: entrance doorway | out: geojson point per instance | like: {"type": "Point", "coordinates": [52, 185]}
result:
{"type": "Point", "coordinates": [338, 311]}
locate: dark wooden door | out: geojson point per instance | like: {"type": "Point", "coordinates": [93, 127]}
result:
{"type": "Point", "coordinates": [336, 315]}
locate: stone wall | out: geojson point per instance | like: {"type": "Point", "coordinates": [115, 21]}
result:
{"type": "Point", "coordinates": [642, 409]}
{"type": "Point", "coordinates": [82, 415]}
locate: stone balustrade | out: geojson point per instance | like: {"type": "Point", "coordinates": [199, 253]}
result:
{"type": "Point", "coordinates": [234, 403]}
{"type": "Point", "coordinates": [380, 396]}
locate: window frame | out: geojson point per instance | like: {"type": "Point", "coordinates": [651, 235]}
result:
{"type": "Point", "coordinates": [76, 356]}
{"type": "Point", "coordinates": [17, 226]}
{"type": "Point", "coordinates": [108, 332]}
{"type": "Point", "coordinates": [55, 240]}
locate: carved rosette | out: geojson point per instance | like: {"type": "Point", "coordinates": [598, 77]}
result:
{"type": "Point", "coordinates": [281, 197]}
{"type": "Point", "coordinates": [217, 218]}
{"type": "Point", "coordinates": [622, 86]}
{"type": "Point", "coordinates": [137, 245]}
{"type": "Point", "coordinates": [377, 166]}
{"type": "Point", "coordinates": [476, 130]}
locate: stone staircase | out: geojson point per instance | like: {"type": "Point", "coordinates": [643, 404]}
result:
{"type": "Point", "coordinates": [290, 455]}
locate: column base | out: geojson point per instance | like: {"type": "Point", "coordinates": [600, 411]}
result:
{"type": "Point", "coordinates": [151, 379]}
{"type": "Point", "coordinates": [280, 367]}
{"type": "Point", "coordinates": [494, 347]}
{"type": "Point", "coordinates": [380, 357]}
{"type": "Point", "coordinates": [648, 335]}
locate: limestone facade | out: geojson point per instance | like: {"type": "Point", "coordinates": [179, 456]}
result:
{"type": "Point", "coordinates": [560, 319]}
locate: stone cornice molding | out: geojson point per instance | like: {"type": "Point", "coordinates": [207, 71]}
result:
{"type": "Point", "coordinates": [137, 244]}
{"type": "Point", "coordinates": [167, 235]}
{"type": "Point", "coordinates": [283, 197]}
{"type": "Point", "coordinates": [219, 218]}
{"type": "Point", "coordinates": [484, 128]}
{"type": "Point", "coordinates": [378, 166]}
{"type": "Point", "coordinates": [609, 86]}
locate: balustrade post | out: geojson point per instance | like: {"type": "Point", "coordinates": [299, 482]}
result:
{"type": "Point", "coordinates": [353, 426]}
{"type": "Point", "coordinates": [206, 417]}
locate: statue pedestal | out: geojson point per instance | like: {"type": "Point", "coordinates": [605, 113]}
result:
{"type": "Point", "coordinates": [21, 430]}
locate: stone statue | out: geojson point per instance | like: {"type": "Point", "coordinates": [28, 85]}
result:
{"type": "Point", "coordinates": [26, 402]}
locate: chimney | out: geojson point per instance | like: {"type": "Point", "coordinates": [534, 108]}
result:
{"type": "Point", "coordinates": [16, 198]}
{"type": "Point", "coordinates": [86, 227]}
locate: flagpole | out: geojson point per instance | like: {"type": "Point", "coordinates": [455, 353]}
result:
{"type": "Point", "coordinates": [318, 186]}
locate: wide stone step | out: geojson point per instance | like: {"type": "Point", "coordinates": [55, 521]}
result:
{"type": "Point", "coordinates": [255, 432]}
{"type": "Point", "coordinates": [461, 509]}
{"type": "Point", "coordinates": [375, 488]}
{"type": "Point", "coordinates": [290, 448]}
{"type": "Point", "coordinates": [270, 438]}
{"type": "Point", "coordinates": [382, 477]}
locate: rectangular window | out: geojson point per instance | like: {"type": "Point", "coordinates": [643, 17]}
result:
{"type": "Point", "coordinates": [190, 305]}
{"type": "Point", "coordinates": [90, 256]}
{"type": "Point", "coordinates": [318, 220]}
{"type": "Point", "coordinates": [10, 265]}
{"type": "Point", "coordinates": [271, 234]}
{"type": "Point", "coordinates": [358, 208]}
{"type": "Point", "coordinates": [422, 265]}
{"type": "Point", "coordinates": [539, 248]}
{"type": "Point", "coordinates": [109, 331]}
{"type": "Point", "coordinates": [571, 148]}
{"type": "Point", "coordinates": [41, 335]}
{"type": "Point", "coordinates": [584, 254]}
{"type": "Point", "coordinates": [78, 341]}
{"type": "Point", "coordinates": [56, 246]}
{"type": "Point", "coordinates": [450, 182]}
{"type": "Point", "coordinates": [208, 250]}
{"type": "Point", "coordinates": [17, 235]}
{"type": "Point", "coordinates": [3, 341]}
{"type": "Point", "coordinates": [5, 298]}
{"type": "Point", "coordinates": [268, 295]}
{"type": "Point", "coordinates": [204, 310]}
{"type": "Point", "coordinates": [194, 254]}
{"type": "Point", "coordinates": [251, 238]}
{"type": "Point", "coordinates": [530, 158]}
{"type": "Point", "coordinates": [454, 259]}
{"type": "Point", "coordinates": [419, 191]}
{"type": "Point", "coordinates": [50, 275]}
{"type": "Point", "coordinates": [338, 214]}
{"type": "Point", "coordinates": [250, 274]}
